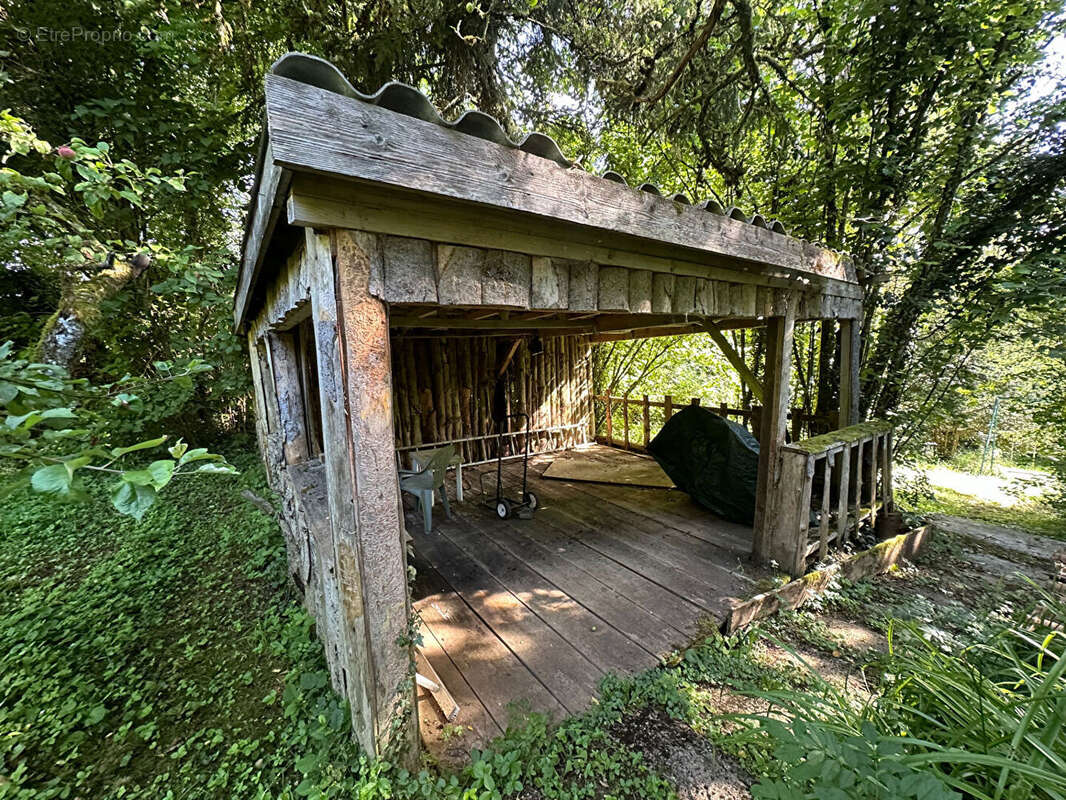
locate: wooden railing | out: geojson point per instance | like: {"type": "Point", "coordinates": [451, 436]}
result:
{"type": "Point", "coordinates": [826, 488]}
{"type": "Point", "coordinates": [648, 416]}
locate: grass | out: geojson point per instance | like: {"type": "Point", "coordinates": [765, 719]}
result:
{"type": "Point", "coordinates": [1031, 515]}
{"type": "Point", "coordinates": [172, 659]}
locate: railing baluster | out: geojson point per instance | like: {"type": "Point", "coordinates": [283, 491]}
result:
{"type": "Point", "coordinates": [823, 522]}
{"type": "Point", "coordinates": [843, 489]}
{"type": "Point", "coordinates": [873, 481]}
{"type": "Point", "coordinates": [858, 482]}
{"type": "Point", "coordinates": [625, 417]}
{"type": "Point", "coordinates": [610, 413]}
{"type": "Point", "coordinates": [668, 407]}
{"type": "Point", "coordinates": [647, 423]}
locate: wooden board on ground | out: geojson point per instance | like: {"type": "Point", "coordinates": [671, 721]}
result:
{"type": "Point", "coordinates": [606, 465]}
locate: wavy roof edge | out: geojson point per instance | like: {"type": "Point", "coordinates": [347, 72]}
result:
{"type": "Point", "coordinates": [409, 101]}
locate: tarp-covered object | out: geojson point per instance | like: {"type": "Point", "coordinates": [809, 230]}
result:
{"type": "Point", "coordinates": [712, 459]}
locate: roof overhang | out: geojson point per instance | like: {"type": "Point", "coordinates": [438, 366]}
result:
{"type": "Point", "coordinates": [391, 144]}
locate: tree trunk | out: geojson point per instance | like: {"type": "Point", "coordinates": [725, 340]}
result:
{"type": "Point", "coordinates": [64, 334]}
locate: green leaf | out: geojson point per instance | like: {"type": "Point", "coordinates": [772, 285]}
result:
{"type": "Point", "coordinates": [53, 479]}
{"type": "Point", "coordinates": [133, 500]}
{"type": "Point", "coordinates": [218, 469]}
{"type": "Point", "coordinates": [161, 471]}
{"type": "Point", "coordinates": [121, 451]}
{"type": "Point", "coordinates": [8, 392]}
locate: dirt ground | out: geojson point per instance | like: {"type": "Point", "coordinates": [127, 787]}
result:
{"type": "Point", "coordinates": [697, 770]}
{"type": "Point", "coordinates": [971, 568]}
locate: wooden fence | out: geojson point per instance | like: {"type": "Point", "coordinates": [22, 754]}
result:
{"type": "Point", "coordinates": [645, 417]}
{"type": "Point", "coordinates": [827, 487]}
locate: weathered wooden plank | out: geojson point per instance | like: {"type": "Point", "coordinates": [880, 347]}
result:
{"type": "Point", "coordinates": [685, 295]}
{"type": "Point", "coordinates": [287, 385]}
{"type": "Point", "coordinates": [459, 275]}
{"type": "Point", "coordinates": [319, 202]}
{"type": "Point", "coordinates": [843, 488]}
{"type": "Point", "coordinates": [345, 644]}
{"type": "Point", "coordinates": [581, 573]}
{"type": "Point", "coordinates": [376, 540]}
{"type": "Point", "coordinates": [273, 181]}
{"type": "Point", "coordinates": [640, 291]}
{"type": "Point", "coordinates": [613, 289]}
{"type": "Point", "coordinates": [737, 361]}
{"type": "Point", "coordinates": [674, 612]}
{"type": "Point", "coordinates": [706, 303]}
{"type": "Point", "coordinates": [409, 273]}
{"type": "Point", "coordinates": [584, 286]}
{"type": "Point", "coordinates": [565, 671]}
{"type": "Point", "coordinates": [499, 679]}
{"type": "Point", "coordinates": [823, 520]}
{"type": "Point", "coordinates": [551, 283]}
{"type": "Point", "coordinates": [592, 635]}
{"type": "Point", "coordinates": [505, 279]}
{"type": "Point", "coordinates": [479, 727]}
{"type": "Point", "coordinates": [663, 293]}
{"type": "Point", "coordinates": [742, 300]}
{"type": "Point", "coordinates": [779, 334]}
{"type": "Point", "coordinates": [319, 131]}
{"type": "Point", "coordinates": [849, 371]}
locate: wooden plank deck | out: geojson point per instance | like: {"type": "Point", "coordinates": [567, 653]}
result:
{"type": "Point", "coordinates": [528, 615]}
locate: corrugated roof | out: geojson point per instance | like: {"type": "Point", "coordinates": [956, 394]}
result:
{"type": "Point", "coordinates": [407, 100]}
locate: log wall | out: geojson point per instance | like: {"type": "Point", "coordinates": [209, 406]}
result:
{"type": "Point", "coordinates": [443, 389]}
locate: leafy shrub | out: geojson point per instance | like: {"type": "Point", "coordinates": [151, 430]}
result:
{"type": "Point", "coordinates": [988, 721]}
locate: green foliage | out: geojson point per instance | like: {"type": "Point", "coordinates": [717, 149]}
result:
{"type": "Point", "coordinates": [58, 428]}
{"type": "Point", "coordinates": [985, 721]}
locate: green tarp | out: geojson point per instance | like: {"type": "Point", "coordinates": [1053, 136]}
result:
{"type": "Point", "coordinates": [712, 459]}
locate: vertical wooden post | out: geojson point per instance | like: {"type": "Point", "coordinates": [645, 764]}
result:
{"type": "Point", "coordinates": [823, 522]}
{"type": "Point", "coordinates": [858, 481]}
{"type": "Point", "coordinates": [646, 422]}
{"type": "Point", "coordinates": [668, 407]}
{"type": "Point", "coordinates": [287, 382]}
{"type": "Point", "coordinates": [843, 487]}
{"type": "Point", "coordinates": [873, 481]}
{"type": "Point", "coordinates": [849, 371]}
{"type": "Point", "coordinates": [770, 533]}
{"type": "Point", "coordinates": [610, 423]}
{"type": "Point", "coordinates": [371, 605]}
{"type": "Point", "coordinates": [625, 418]}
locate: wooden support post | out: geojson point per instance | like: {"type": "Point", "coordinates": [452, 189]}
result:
{"type": "Point", "coordinates": [668, 407]}
{"type": "Point", "coordinates": [287, 383]}
{"type": "Point", "coordinates": [773, 539]}
{"type": "Point", "coordinates": [610, 423]}
{"type": "Point", "coordinates": [646, 421]}
{"type": "Point", "coordinates": [625, 418]}
{"type": "Point", "coordinates": [736, 360]}
{"type": "Point", "coordinates": [371, 608]}
{"type": "Point", "coordinates": [849, 372]}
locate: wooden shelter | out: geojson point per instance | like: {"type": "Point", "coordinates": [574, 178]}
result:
{"type": "Point", "coordinates": [395, 265]}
